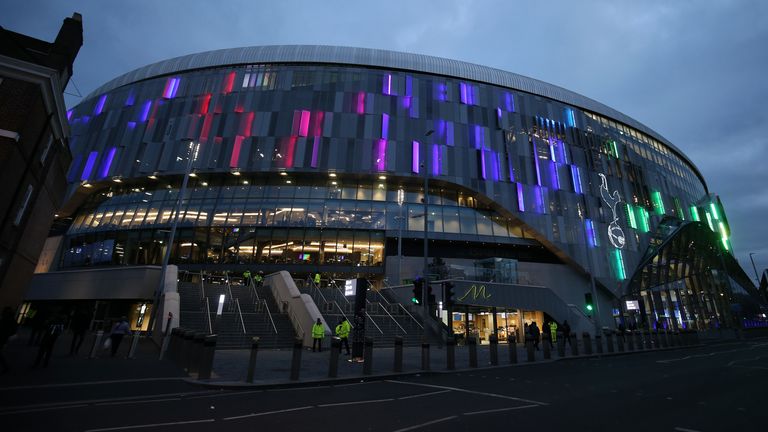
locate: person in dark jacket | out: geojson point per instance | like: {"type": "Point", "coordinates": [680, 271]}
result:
{"type": "Point", "coordinates": [8, 328]}
{"type": "Point", "coordinates": [567, 332]}
{"type": "Point", "coordinates": [536, 333]}
{"type": "Point", "coordinates": [53, 328]}
{"type": "Point", "coordinates": [78, 326]}
{"type": "Point", "coordinates": [119, 330]}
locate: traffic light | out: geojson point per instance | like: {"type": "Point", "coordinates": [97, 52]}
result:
{"type": "Point", "coordinates": [418, 287]}
{"type": "Point", "coordinates": [589, 305]}
{"type": "Point", "coordinates": [449, 294]}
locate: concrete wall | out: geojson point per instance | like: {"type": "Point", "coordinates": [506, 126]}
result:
{"type": "Point", "coordinates": [116, 283]}
{"type": "Point", "coordinates": [301, 309]}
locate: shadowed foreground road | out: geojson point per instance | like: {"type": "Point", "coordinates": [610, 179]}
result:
{"type": "Point", "coordinates": [711, 388]}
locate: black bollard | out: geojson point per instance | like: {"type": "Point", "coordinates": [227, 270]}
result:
{"type": "Point", "coordinates": [494, 340]}
{"type": "Point", "coordinates": [333, 365]}
{"type": "Point", "coordinates": [298, 344]}
{"type": "Point", "coordinates": [695, 336]}
{"type": "Point", "coordinates": [587, 343]}
{"type": "Point", "coordinates": [664, 339]}
{"type": "Point", "coordinates": [655, 339]}
{"type": "Point", "coordinates": [561, 344]}
{"type": "Point", "coordinates": [620, 338]}
{"type": "Point", "coordinates": [677, 339]}
{"type": "Point", "coordinates": [609, 340]}
{"type": "Point", "coordinates": [529, 347]}
{"type": "Point", "coordinates": [450, 352]}
{"type": "Point", "coordinates": [647, 339]}
{"type": "Point", "coordinates": [252, 359]}
{"type": "Point", "coordinates": [424, 356]}
{"type": "Point", "coordinates": [206, 359]}
{"type": "Point", "coordinates": [638, 340]}
{"type": "Point", "coordinates": [512, 342]}
{"type": "Point", "coordinates": [546, 345]}
{"type": "Point", "coordinates": [599, 343]}
{"type": "Point", "coordinates": [368, 356]}
{"type": "Point", "coordinates": [398, 366]}
{"type": "Point", "coordinates": [187, 349]}
{"type": "Point", "coordinates": [472, 346]}
{"type": "Point", "coordinates": [630, 341]}
{"type": "Point", "coordinates": [574, 344]}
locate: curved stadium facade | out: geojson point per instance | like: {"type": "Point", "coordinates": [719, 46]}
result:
{"type": "Point", "coordinates": [314, 158]}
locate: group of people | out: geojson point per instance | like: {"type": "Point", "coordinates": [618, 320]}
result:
{"type": "Point", "coordinates": [343, 328]}
{"type": "Point", "coordinates": [257, 278]}
{"type": "Point", "coordinates": [533, 330]}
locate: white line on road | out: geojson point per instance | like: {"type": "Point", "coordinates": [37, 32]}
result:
{"type": "Point", "coordinates": [75, 384]}
{"type": "Point", "coordinates": [425, 424]}
{"type": "Point", "coordinates": [268, 413]}
{"type": "Point", "coordinates": [297, 388]}
{"type": "Point", "coordinates": [23, 411]}
{"type": "Point", "coordinates": [422, 394]}
{"type": "Point", "coordinates": [355, 402]}
{"type": "Point", "coordinates": [712, 353]}
{"type": "Point", "coordinates": [136, 402]}
{"type": "Point", "coordinates": [151, 425]}
{"type": "Point", "coordinates": [681, 429]}
{"type": "Point", "coordinates": [469, 391]}
{"type": "Point", "coordinates": [500, 410]}
{"type": "Point", "coordinates": [82, 403]}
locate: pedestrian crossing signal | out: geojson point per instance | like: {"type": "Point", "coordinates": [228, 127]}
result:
{"type": "Point", "coordinates": [418, 291]}
{"type": "Point", "coordinates": [589, 305]}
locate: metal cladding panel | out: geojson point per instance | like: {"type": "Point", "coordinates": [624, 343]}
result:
{"type": "Point", "coordinates": [371, 58]}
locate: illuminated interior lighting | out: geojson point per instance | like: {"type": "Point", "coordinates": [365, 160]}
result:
{"type": "Point", "coordinates": [117, 179]}
{"type": "Point", "coordinates": [204, 183]}
{"type": "Point", "coordinates": [288, 181]}
{"type": "Point", "coordinates": [236, 173]}
{"type": "Point", "coordinates": [87, 185]}
{"type": "Point", "coordinates": [283, 173]}
{"type": "Point", "coordinates": [193, 174]}
{"type": "Point", "coordinates": [333, 183]}
{"type": "Point", "coordinates": [658, 203]}
{"type": "Point", "coordinates": [152, 177]}
{"type": "Point", "coordinates": [245, 182]}
{"type": "Point", "coordinates": [333, 175]}
{"type": "Point", "coordinates": [382, 177]}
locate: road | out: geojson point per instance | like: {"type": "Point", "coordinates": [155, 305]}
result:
{"type": "Point", "coordinates": [711, 388]}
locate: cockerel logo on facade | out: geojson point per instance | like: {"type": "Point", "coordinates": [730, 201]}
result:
{"type": "Point", "coordinates": [615, 233]}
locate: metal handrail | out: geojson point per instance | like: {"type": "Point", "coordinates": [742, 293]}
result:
{"type": "Point", "coordinates": [208, 316]}
{"type": "Point", "coordinates": [409, 314]}
{"type": "Point", "coordinates": [254, 294]}
{"type": "Point", "coordinates": [374, 322]}
{"type": "Point", "coordinates": [202, 287]}
{"type": "Point", "coordinates": [393, 319]}
{"type": "Point", "coordinates": [231, 296]}
{"type": "Point", "coordinates": [342, 311]}
{"type": "Point", "coordinates": [338, 288]}
{"type": "Point", "coordinates": [240, 313]}
{"type": "Point", "coordinates": [269, 314]}
{"type": "Point", "coordinates": [296, 322]}
{"type": "Point", "coordinates": [378, 292]}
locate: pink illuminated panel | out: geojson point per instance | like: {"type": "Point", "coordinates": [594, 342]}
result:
{"type": "Point", "coordinates": [236, 151]}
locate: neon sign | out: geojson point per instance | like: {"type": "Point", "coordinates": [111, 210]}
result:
{"type": "Point", "coordinates": [615, 233]}
{"type": "Point", "coordinates": [476, 292]}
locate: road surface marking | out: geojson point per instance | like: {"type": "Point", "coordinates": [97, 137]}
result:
{"type": "Point", "coordinates": [469, 391]}
{"type": "Point", "coordinates": [151, 425]}
{"type": "Point", "coordinates": [500, 410]}
{"type": "Point", "coordinates": [136, 402]}
{"type": "Point", "coordinates": [355, 384]}
{"type": "Point", "coordinates": [267, 413]}
{"type": "Point", "coordinates": [681, 429]}
{"type": "Point", "coordinates": [92, 383]}
{"type": "Point", "coordinates": [355, 402]}
{"type": "Point", "coordinates": [81, 403]}
{"type": "Point", "coordinates": [711, 353]}
{"type": "Point", "coordinates": [425, 424]}
{"type": "Point", "coordinates": [297, 388]}
{"type": "Point", "coordinates": [41, 409]}
{"type": "Point", "coordinates": [422, 394]}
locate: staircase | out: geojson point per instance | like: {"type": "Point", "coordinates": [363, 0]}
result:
{"type": "Point", "coordinates": [247, 312]}
{"type": "Point", "coordinates": [385, 319]}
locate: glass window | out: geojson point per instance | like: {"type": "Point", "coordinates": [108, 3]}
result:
{"type": "Point", "coordinates": [484, 224]}
{"type": "Point", "coordinates": [451, 222]}
{"type": "Point", "coordinates": [468, 221]}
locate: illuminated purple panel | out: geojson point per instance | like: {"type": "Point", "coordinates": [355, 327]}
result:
{"type": "Point", "coordinates": [145, 111]}
{"type": "Point", "coordinates": [171, 86]}
{"type": "Point", "coordinates": [479, 137]}
{"type": "Point", "coordinates": [89, 165]}
{"type": "Point", "coordinates": [385, 126]}
{"type": "Point", "coordinates": [107, 163]}
{"type": "Point", "coordinates": [361, 103]}
{"type": "Point", "coordinates": [552, 150]}
{"type": "Point", "coordinates": [413, 108]}
{"type": "Point", "coordinates": [509, 102]}
{"type": "Point", "coordinates": [498, 114]}
{"type": "Point", "coordinates": [590, 227]}
{"type": "Point", "coordinates": [520, 200]}
{"type": "Point", "coordinates": [563, 152]}
{"type": "Point", "coordinates": [539, 199]}
{"type": "Point", "coordinates": [449, 133]}
{"type": "Point", "coordinates": [440, 129]}
{"type": "Point", "coordinates": [69, 115]}
{"type": "Point", "coordinates": [130, 99]}
{"type": "Point", "coordinates": [85, 119]}
{"type": "Point", "coordinates": [131, 125]}
{"type": "Point", "coordinates": [435, 160]}
{"type": "Point", "coordinates": [387, 90]}
{"type": "Point", "coordinates": [576, 179]}
{"type": "Point", "coordinates": [474, 94]}
{"type": "Point", "coordinates": [496, 165]}
{"type": "Point", "coordinates": [100, 105]}
{"type": "Point", "coordinates": [553, 175]}
{"type": "Point", "coordinates": [481, 155]}
{"type": "Point", "coordinates": [511, 170]}
{"type": "Point", "coordinates": [415, 157]}
{"type": "Point", "coordinates": [381, 155]}
{"type": "Point", "coordinates": [406, 102]}
{"type": "Point", "coordinates": [408, 85]}
{"type": "Point", "coordinates": [536, 164]}
{"type": "Point", "coordinates": [315, 152]}
{"type": "Point", "coordinates": [441, 92]}
{"type": "Point", "coordinates": [463, 93]}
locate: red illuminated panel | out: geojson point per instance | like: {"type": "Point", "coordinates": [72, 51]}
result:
{"type": "Point", "coordinates": [205, 102]}
{"type": "Point", "coordinates": [229, 82]}
{"type": "Point", "coordinates": [246, 122]}
{"type": "Point", "coordinates": [236, 151]}
{"type": "Point", "coordinates": [206, 128]}
{"type": "Point", "coordinates": [317, 123]}
{"type": "Point", "coordinates": [289, 149]}
{"type": "Point", "coordinates": [304, 124]}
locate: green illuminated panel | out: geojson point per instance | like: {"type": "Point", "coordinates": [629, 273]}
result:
{"type": "Point", "coordinates": [618, 261]}
{"type": "Point", "coordinates": [679, 209]}
{"type": "Point", "coordinates": [715, 214]}
{"type": "Point", "coordinates": [695, 214]}
{"type": "Point", "coordinates": [631, 216]}
{"type": "Point", "coordinates": [642, 219]}
{"type": "Point", "coordinates": [615, 149]}
{"type": "Point", "coordinates": [709, 221]}
{"type": "Point", "coordinates": [658, 203]}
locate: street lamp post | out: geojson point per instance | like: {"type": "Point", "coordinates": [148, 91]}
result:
{"type": "Point", "coordinates": [192, 156]}
{"type": "Point", "coordinates": [757, 277]}
{"type": "Point", "coordinates": [400, 201]}
{"type": "Point", "coordinates": [425, 291]}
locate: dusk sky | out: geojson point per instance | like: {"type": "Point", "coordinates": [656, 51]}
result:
{"type": "Point", "coordinates": [694, 71]}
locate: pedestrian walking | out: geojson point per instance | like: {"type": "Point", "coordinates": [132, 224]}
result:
{"type": "Point", "coordinates": [342, 332]}
{"type": "Point", "coordinates": [119, 330]}
{"type": "Point", "coordinates": [536, 333]}
{"type": "Point", "coordinates": [567, 332]}
{"type": "Point", "coordinates": [318, 332]}
{"type": "Point", "coordinates": [8, 328]}
{"type": "Point", "coordinates": [552, 333]}
{"type": "Point", "coordinates": [247, 278]}
{"type": "Point", "coordinates": [317, 279]}
{"type": "Point", "coordinates": [54, 327]}
{"type": "Point", "coordinates": [78, 326]}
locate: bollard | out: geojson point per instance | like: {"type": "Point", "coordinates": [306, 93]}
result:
{"type": "Point", "coordinates": [494, 340]}
{"type": "Point", "coordinates": [252, 359]}
{"type": "Point", "coordinates": [599, 343]}
{"type": "Point", "coordinates": [664, 339]}
{"type": "Point", "coordinates": [560, 344]}
{"type": "Point", "coordinates": [546, 345]}
{"type": "Point", "coordinates": [574, 344]}
{"type": "Point", "coordinates": [368, 356]}
{"type": "Point", "coordinates": [609, 340]}
{"type": "Point", "coordinates": [529, 348]}
{"type": "Point", "coordinates": [206, 359]}
{"type": "Point", "coordinates": [587, 343]}
{"type": "Point", "coordinates": [398, 367]}
{"type": "Point", "coordinates": [96, 343]}
{"type": "Point", "coordinates": [620, 339]}
{"type": "Point", "coordinates": [186, 349]}
{"type": "Point", "coordinates": [134, 345]}
{"type": "Point", "coordinates": [677, 340]}
{"type": "Point", "coordinates": [638, 340]}
{"type": "Point", "coordinates": [450, 353]}
{"type": "Point", "coordinates": [655, 339]}
{"type": "Point", "coordinates": [296, 359]}
{"type": "Point", "coordinates": [512, 349]}
{"type": "Point", "coordinates": [647, 339]}
{"type": "Point", "coordinates": [695, 336]}
{"type": "Point", "coordinates": [333, 366]}
{"type": "Point", "coordinates": [630, 341]}
{"type": "Point", "coordinates": [472, 346]}
{"type": "Point", "coordinates": [424, 356]}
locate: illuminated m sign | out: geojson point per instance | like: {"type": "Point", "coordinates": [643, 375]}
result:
{"type": "Point", "coordinates": [476, 293]}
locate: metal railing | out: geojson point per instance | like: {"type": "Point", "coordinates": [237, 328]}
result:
{"type": "Point", "coordinates": [374, 323]}
{"type": "Point", "coordinates": [240, 314]}
{"type": "Point", "coordinates": [296, 323]}
{"type": "Point", "coordinates": [338, 288]}
{"type": "Point", "coordinates": [208, 316]}
{"type": "Point", "coordinates": [202, 287]}
{"type": "Point", "coordinates": [269, 314]}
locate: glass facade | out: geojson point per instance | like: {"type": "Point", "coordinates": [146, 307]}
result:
{"type": "Point", "coordinates": [301, 163]}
